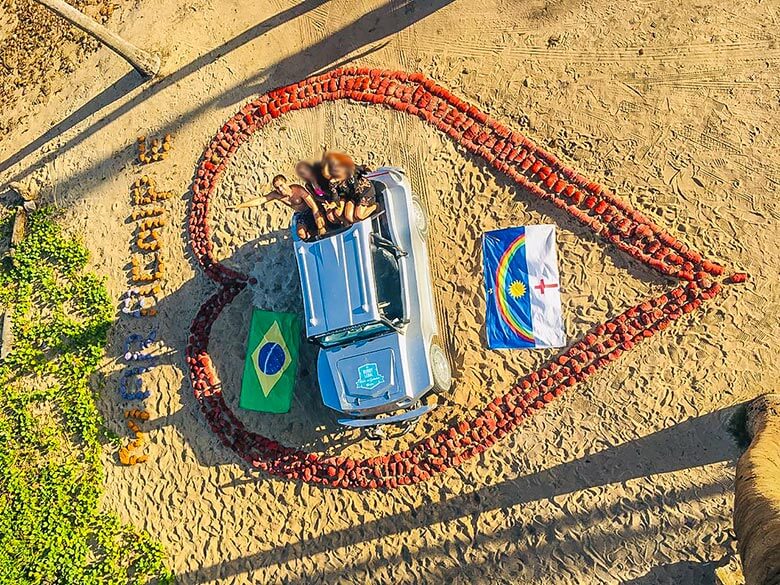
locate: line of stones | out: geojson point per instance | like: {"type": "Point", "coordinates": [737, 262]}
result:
{"type": "Point", "coordinates": [507, 151]}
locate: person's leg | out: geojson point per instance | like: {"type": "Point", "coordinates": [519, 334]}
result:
{"type": "Point", "coordinates": [349, 212]}
{"type": "Point", "coordinates": [333, 214]}
{"type": "Point", "coordinates": [338, 213]}
{"type": "Point", "coordinates": [301, 228]}
{"type": "Point", "coordinates": [314, 216]}
{"type": "Point", "coordinates": [319, 222]}
{"type": "Point", "coordinates": [364, 211]}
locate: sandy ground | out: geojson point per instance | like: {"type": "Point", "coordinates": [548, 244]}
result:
{"type": "Point", "coordinates": [627, 478]}
{"type": "Point", "coordinates": [37, 51]}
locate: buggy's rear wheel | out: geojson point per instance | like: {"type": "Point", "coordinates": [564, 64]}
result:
{"type": "Point", "coordinates": [419, 216]}
{"type": "Point", "coordinates": [440, 366]}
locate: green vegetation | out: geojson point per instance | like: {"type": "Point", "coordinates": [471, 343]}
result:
{"type": "Point", "coordinates": [52, 529]}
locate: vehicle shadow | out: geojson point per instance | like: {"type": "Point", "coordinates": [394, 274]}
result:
{"type": "Point", "coordinates": [689, 444]}
{"type": "Point", "coordinates": [309, 425]}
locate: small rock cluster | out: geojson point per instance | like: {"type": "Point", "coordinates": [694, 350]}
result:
{"type": "Point", "coordinates": [509, 152]}
{"type": "Point", "coordinates": [143, 354]}
{"type": "Point", "coordinates": [126, 454]}
{"type": "Point", "coordinates": [154, 150]}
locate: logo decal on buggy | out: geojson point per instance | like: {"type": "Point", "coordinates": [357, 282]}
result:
{"type": "Point", "coordinates": [369, 377]}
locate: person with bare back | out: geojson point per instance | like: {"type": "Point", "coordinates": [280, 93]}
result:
{"type": "Point", "coordinates": [308, 216]}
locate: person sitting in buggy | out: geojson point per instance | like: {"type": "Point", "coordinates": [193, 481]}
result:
{"type": "Point", "coordinates": [368, 302]}
{"type": "Point", "coordinates": [336, 185]}
{"type": "Point", "coordinates": [309, 220]}
{"type": "Point", "coordinates": [348, 182]}
{"type": "Point", "coordinates": [317, 185]}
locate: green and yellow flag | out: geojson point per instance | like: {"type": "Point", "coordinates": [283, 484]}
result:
{"type": "Point", "coordinates": [271, 362]}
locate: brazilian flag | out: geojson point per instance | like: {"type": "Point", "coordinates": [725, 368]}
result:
{"type": "Point", "coordinates": [271, 362]}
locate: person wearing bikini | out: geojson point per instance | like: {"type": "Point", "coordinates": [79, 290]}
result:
{"type": "Point", "coordinates": [313, 180]}
{"type": "Point", "coordinates": [348, 182]}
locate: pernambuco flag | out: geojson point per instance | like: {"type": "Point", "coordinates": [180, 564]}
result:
{"type": "Point", "coordinates": [522, 288]}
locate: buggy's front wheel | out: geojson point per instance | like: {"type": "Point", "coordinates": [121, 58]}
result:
{"type": "Point", "coordinates": [440, 367]}
{"type": "Point", "coordinates": [419, 216]}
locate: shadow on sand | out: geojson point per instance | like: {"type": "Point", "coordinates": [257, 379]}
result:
{"type": "Point", "coordinates": [692, 443]}
{"type": "Point", "coordinates": [372, 27]}
{"type": "Point", "coordinates": [309, 425]}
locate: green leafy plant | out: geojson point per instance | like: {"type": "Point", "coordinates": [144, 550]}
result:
{"type": "Point", "coordinates": [52, 528]}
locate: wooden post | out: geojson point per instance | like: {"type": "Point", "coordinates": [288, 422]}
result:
{"type": "Point", "coordinates": [148, 64]}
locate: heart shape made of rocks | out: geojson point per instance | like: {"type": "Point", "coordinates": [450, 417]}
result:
{"type": "Point", "coordinates": [507, 151]}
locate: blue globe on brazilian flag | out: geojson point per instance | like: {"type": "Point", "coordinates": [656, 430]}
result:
{"type": "Point", "coordinates": [271, 362]}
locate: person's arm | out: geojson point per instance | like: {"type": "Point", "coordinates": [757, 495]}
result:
{"type": "Point", "coordinates": [322, 165]}
{"type": "Point", "coordinates": [311, 203]}
{"type": "Point", "coordinates": [332, 196]}
{"type": "Point", "coordinates": [255, 201]}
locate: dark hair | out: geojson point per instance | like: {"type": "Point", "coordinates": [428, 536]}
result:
{"type": "Point", "coordinates": [278, 178]}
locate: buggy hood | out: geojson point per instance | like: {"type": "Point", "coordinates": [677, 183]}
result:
{"type": "Point", "coordinates": [337, 280]}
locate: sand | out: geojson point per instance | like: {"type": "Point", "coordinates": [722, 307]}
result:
{"type": "Point", "coordinates": [628, 478]}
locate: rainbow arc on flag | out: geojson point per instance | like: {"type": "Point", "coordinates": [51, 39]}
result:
{"type": "Point", "coordinates": [522, 293]}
